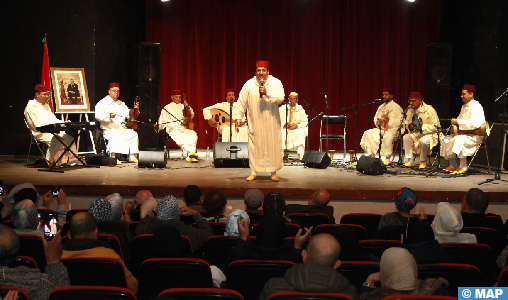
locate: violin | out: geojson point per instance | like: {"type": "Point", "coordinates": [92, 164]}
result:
{"type": "Point", "coordinates": [132, 121]}
{"type": "Point", "coordinates": [187, 122]}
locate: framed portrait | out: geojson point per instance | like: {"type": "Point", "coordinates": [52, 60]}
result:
{"type": "Point", "coordinates": [70, 91]}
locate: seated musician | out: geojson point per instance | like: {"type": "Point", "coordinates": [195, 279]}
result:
{"type": "Point", "coordinates": [471, 128]}
{"type": "Point", "coordinates": [387, 120]}
{"type": "Point", "coordinates": [38, 113]}
{"type": "Point", "coordinates": [240, 134]}
{"type": "Point", "coordinates": [421, 122]}
{"type": "Point", "coordinates": [173, 120]}
{"type": "Point", "coordinates": [112, 114]}
{"type": "Point", "coordinates": [296, 126]}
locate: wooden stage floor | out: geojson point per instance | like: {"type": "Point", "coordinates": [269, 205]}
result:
{"type": "Point", "coordinates": [296, 182]}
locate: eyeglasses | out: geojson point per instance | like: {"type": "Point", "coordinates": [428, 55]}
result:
{"type": "Point", "coordinates": [115, 91]}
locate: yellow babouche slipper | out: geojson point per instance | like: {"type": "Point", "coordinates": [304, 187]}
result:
{"type": "Point", "coordinates": [251, 177]}
{"type": "Point", "coordinates": [408, 165]}
{"type": "Point", "coordinates": [386, 162]}
{"type": "Point", "coordinates": [118, 162]}
{"type": "Point", "coordinates": [423, 165]}
{"type": "Point", "coordinates": [274, 178]}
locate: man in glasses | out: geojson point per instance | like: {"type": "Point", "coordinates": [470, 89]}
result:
{"type": "Point", "coordinates": [38, 113]}
{"type": "Point", "coordinates": [112, 114]}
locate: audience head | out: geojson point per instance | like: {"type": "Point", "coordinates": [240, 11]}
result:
{"type": "Point", "coordinates": [148, 207]}
{"type": "Point", "coordinates": [83, 225]}
{"type": "Point", "coordinates": [398, 269]}
{"type": "Point", "coordinates": [168, 208]}
{"type": "Point", "coordinates": [448, 221]}
{"type": "Point", "coordinates": [405, 200]}
{"type": "Point", "coordinates": [192, 195]}
{"type": "Point", "coordinates": [253, 199]}
{"type": "Point", "coordinates": [232, 222]}
{"type": "Point", "coordinates": [215, 203]}
{"type": "Point", "coordinates": [274, 203]}
{"type": "Point", "coordinates": [24, 215]}
{"type": "Point", "coordinates": [26, 193]}
{"type": "Point", "coordinates": [167, 242]}
{"type": "Point", "coordinates": [100, 209]}
{"type": "Point", "coordinates": [476, 201]}
{"type": "Point", "coordinates": [142, 195]}
{"type": "Point", "coordinates": [418, 231]}
{"type": "Point", "coordinates": [116, 206]}
{"type": "Point", "coordinates": [319, 198]}
{"type": "Point", "coordinates": [323, 249]}
{"type": "Point", "coordinates": [270, 231]}
{"type": "Point", "coordinates": [9, 245]}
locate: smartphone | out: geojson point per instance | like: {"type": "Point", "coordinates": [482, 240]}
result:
{"type": "Point", "coordinates": [54, 192]}
{"type": "Point", "coordinates": [50, 224]}
{"type": "Point", "coordinates": [2, 192]}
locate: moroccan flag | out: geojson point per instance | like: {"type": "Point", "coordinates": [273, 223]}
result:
{"type": "Point", "coordinates": [45, 78]}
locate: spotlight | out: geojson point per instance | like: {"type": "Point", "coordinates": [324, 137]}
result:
{"type": "Point", "coordinates": [411, 0]}
{"type": "Point", "coordinates": [164, 0]}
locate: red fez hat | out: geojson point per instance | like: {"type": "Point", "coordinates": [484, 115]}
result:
{"type": "Point", "coordinates": [114, 85]}
{"type": "Point", "coordinates": [263, 64]}
{"type": "Point", "coordinates": [388, 90]}
{"type": "Point", "coordinates": [229, 91]}
{"type": "Point", "coordinates": [415, 95]}
{"type": "Point", "coordinates": [177, 92]}
{"type": "Point", "coordinates": [469, 87]}
{"type": "Point", "coordinates": [41, 88]}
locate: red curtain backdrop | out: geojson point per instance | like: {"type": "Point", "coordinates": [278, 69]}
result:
{"type": "Point", "coordinates": [346, 49]}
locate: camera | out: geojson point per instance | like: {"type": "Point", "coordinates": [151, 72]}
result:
{"type": "Point", "coordinates": [54, 192]}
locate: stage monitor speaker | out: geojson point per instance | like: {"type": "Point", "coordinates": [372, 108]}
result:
{"type": "Point", "coordinates": [439, 64]}
{"type": "Point", "coordinates": [231, 155]}
{"type": "Point", "coordinates": [152, 159]}
{"type": "Point", "coordinates": [145, 66]}
{"type": "Point", "coordinates": [370, 166]}
{"type": "Point", "coordinates": [148, 98]}
{"type": "Point", "coordinates": [316, 159]}
{"type": "Point", "coordinates": [100, 160]}
{"type": "Point", "coordinates": [494, 149]}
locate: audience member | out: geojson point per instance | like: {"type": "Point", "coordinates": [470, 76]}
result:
{"type": "Point", "coordinates": [474, 206]}
{"type": "Point", "coordinates": [405, 201]}
{"type": "Point", "coordinates": [317, 273]}
{"type": "Point", "coordinates": [25, 219]}
{"type": "Point", "coordinates": [83, 242]}
{"type": "Point", "coordinates": [117, 207]}
{"type": "Point", "coordinates": [168, 212]}
{"type": "Point", "coordinates": [274, 203]}
{"type": "Point", "coordinates": [214, 203]}
{"type": "Point", "coordinates": [253, 200]}
{"type": "Point", "coordinates": [269, 243]}
{"type": "Point", "coordinates": [37, 285]}
{"type": "Point", "coordinates": [318, 203]}
{"type": "Point", "coordinates": [167, 243]}
{"type": "Point", "coordinates": [447, 224]}
{"type": "Point", "coordinates": [399, 276]}
{"type": "Point", "coordinates": [141, 197]}
{"type": "Point", "coordinates": [232, 222]}
{"type": "Point", "coordinates": [422, 244]}
{"type": "Point", "coordinates": [192, 197]}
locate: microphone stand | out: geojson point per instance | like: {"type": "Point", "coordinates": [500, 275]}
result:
{"type": "Point", "coordinates": [398, 136]}
{"type": "Point", "coordinates": [309, 120]}
{"type": "Point", "coordinates": [380, 141]}
{"type": "Point", "coordinates": [497, 175]}
{"type": "Point", "coordinates": [356, 123]}
{"type": "Point", "coordinates": [231, 121]}
{"type": "Point", "coordinates": [327, 119]}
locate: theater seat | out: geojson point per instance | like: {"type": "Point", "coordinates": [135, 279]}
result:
{"type": "Point", "coordinates": [478, 255]}
{"type": "Point", "coordinates": [377, 247]}
{"type": "Point", "coordinates": [358, 271]}
{"type": "Point", "coordinates": [248, 277]}
{"type": "Point", "coordinates": [290, 230]}
{"type": "Point", "coordinates": [91, 293]}
{"type": "Point", "coordinates": [369, 221]}
{"type": "Point", "coordinates": [502, 281]}
{"type": "Point", "coordinates": [95, 271]}
{"type": "Point", "coordinates": [159, 274]}
{"type": "Point", "coordinates": [416, 297]}
{"type": "Point", "coordinates": [200, 293]}
{"type": "Point", "coordinates": [31, 246]}
{"type": "Point", "coordinates": [307, 296]}
{"type": "Point", "coordinates": [360, 232]}
{"type": "Point", "coordinates": [457, 275]}
{"type": "Point", "coordinates": [306, 220]}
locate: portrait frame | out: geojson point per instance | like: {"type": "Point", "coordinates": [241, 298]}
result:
{"type": "Point", "coordinates": [70, 93]}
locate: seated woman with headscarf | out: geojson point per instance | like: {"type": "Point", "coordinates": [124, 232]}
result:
{"type": "Point", "coordinates": [269, 243]}
{"type": "Point", "coordinates": [232, 222]}
{"type": "Point", "coordinates": [405, 201]}
{"type": "Point", "coordinates": [447, 224]}
{"type": "Point", "coordinates": [167, 243]}
{"type": "Point", "coordinates": [399, 276]}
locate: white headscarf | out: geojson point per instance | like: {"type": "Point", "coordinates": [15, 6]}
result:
{"type": "Point", "coordinates": [447, 221]}
{"type": "Point", "coordinates": [398, 270]}
{"type": "Point", "coordinates": [232, 222]}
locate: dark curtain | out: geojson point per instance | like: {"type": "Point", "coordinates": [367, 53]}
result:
{"type": "Point", "coordinates": [345, 49]}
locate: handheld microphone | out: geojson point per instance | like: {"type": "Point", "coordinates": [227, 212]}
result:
{"type": "Point", "coordinates": [261, 83]}
{"type": "Point", "coordinates": [407, 108]}
{"type": "Point", "coordinates": [378, 100]}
